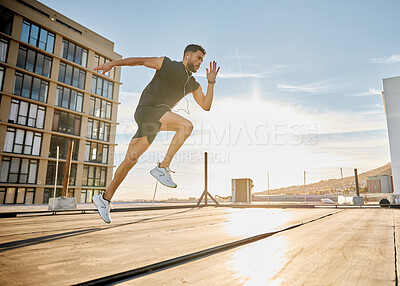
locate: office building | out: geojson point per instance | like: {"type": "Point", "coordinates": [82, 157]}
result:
{"type": "Point", "coordinates": [50, 95]}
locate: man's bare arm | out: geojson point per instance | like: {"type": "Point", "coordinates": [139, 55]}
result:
{"type": "Point", "coordinates": [205, 100]}
{"type": "Point", "coordinates": [150, 62]}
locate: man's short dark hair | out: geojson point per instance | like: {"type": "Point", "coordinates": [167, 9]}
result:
{"type": "Point", "coordinates": [194, 48]}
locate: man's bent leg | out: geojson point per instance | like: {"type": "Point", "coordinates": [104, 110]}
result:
{"type": "Point", "coordinates": [173, 122]}
{"type": "Point", "coordinates": [136, 148]}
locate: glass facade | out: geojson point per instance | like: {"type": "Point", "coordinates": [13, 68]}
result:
{"type": "Point", "coordinates": [26, 113]}
{"type": "Point", "coordinates": [94, 176]}
{"type": "Point", "coordinates": [51, 172]}
{"type": "Point", "coordinates": [12, 195]}
{"type": "Point", "coordinates": [96, 152]}
{"type": "Point", "coordinates": [1, 77]}
{"type": "Point", "coordinates": [33, 61]}
{"type": "Point", "coordinates": [30, 87]}
{"type": "Point", "coordinates": [100, 108]}
{"type": "Point", "coordinates": [62, 142]}
{"type": "Point", "coordinates": [66, 122]}
{"type": "Point", "coordinates": [72, 75]}
{"type": "Point", "coordinates": [3, 50]}
{"type": "Point", "coordinates": [21, 141]}
{"type": "Point", "coordinates": [102, 87]}
{"type": "Point", "coordinates": [37, 36]}
{"type": "Point", "coordinates": [46, 111]}
{"type": "Point", "coordinates": [98, 130]}
{"type": "Point", "coordinates": [18, 170]}
{"type": "Point", "coordinates": [69, 98]}
{"type": "Point", "coordinates": [98, 60]}
{"type": "Point", "coordinates": [87, 195]}
{"type": "Point", "coordinates": [6, 20]}
{"type": "Point", "coordinates": [74, 53]}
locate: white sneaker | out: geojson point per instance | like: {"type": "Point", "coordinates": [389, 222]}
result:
{"type": "Point", "coordinates": [163, 176]}
{"type": "Point", "coordinates": [103, 206]}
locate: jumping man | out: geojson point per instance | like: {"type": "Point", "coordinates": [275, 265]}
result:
{"type": "Point", "coordinates": [171, 82]}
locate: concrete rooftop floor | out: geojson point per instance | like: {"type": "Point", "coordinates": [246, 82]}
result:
{"type": "Point", "coordinates": [327, 246]}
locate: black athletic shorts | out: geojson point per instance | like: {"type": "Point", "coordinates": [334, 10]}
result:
{"type": "Point", "coordinates": [147, 118]}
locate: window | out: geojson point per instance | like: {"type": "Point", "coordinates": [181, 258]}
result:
{"type": "Point", "coordinates": [21, 141]}
{"type": "Point", "coordinates": [68, 98]}
{"type": "Point", "coordinates": [37, 36]}
{"type": "Point", "coordinates": [98, 60]}
{"type": "Point", "coordinates": [51, 172]}
{"type": "Point", "coordinates": [87, 195]}
{"type": "Point", "coordinates": [102, 87]}
{"type": "Point", "coordinates": [30, 87]}
{"type": "Point", "coordinates": [98, 130]}
{"type": "Point", "coordinates": [72, 75]}
{"type": "Point", "coordinates": [13, 195]}
{"type": "Point", "coordinates": [74, 53]}
{"type": "Point", "coordinates": [62, 142]}
{"type": "Point", "coordinates": [6, 20]}
{"type": "Point", "coordinates": [100, 108]}
{"type": "Point", "coordinates": [18, 170]}
{"type": "Point", "coordinates": [3, 50]}
{"type": "Point", "coordinates": [1, 77]}
{"type": "Point", "coordinates": [33, 61]}
{"type": "Point", "coordinates": [94, 176]}
{"type": "Point", "coordinates": [96, 152]}
{"type": "Point", "coordinates": [25, 113]}
{"type": "Point", "coordinates": [66, 122]}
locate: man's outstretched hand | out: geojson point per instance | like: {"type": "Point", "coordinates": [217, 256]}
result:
{"type": "Point", "coordinates": [212, 73]}
{"type": "Point", "coordinates": [106, 67]}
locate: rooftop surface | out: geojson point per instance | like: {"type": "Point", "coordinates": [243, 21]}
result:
{"type": "Point", "coordinates": [203, 246]}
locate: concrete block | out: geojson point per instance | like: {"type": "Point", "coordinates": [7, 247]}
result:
{"type": "Point", "coordinates": [358, 200]}
{"type": "Point", "coordinates": [62, 203]}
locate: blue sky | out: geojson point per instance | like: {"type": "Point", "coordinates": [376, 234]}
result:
{"type": "Point", "coordinates": [317, 65]}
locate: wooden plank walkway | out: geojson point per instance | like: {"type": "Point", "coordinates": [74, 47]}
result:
{"type": "Point", "coordinates": [349, 247]}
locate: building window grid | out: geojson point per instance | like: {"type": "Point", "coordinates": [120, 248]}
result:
{"type": "Point", "coordinates": [87, 195]}
{"type": "Point", "coordinates": [69, 98]}
{"type": "Point", "coordinates": [30, 87]}
{"type": "Point", "coordinates": [27, 114]}
{"type": "Point", "coordinates": [71, 75]}
{"type": "Point", "coordinates": [62, 142]}
{"type": "Point", "coordinates": [98, 60]}
{"type": "Point", "coordinates": [18, 170]}
{"type": "Point", "coordinates": [96, 152]}
{"type": "Point", "coordinates": [51, 171]}
{"type": "Point", "coordinates": [6, 20]}
{"type": "Point", "coordinates": [2, 73]}
{"type": "Point", "coordinates": [67, 123]}
{"type": "Point", "coordinates": [100, 108]}
{"type": "Point", "coordinates": [94, 176]}
{"type": "Point", "coordinates": [74, 53]}
{"type": "Point", "coordinates": [37, 36]}
{"type": "Point", "coordinates": [98, 130]}
{"type": "Point", "coordinates": [3, 50]}
{"type": "Point", "coordinates": [12, 195]}
{"type": "Point", "coordinates": [21, 141]}
{"type": "Point", "coordinates": [102, 87]}
{"type": "Point", "coordinates": [33, 61]}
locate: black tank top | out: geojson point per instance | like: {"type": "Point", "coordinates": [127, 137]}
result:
{"type": "Point", "coordinates": [169, 85]}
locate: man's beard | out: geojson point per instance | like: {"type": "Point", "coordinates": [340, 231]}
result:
{"type": "Point", "coordinates": [191, 67]}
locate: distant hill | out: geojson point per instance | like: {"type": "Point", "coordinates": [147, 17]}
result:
{"type": "Point", "coordinates": [329, 186]}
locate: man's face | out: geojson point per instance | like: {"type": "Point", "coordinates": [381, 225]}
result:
{"type": "Point", "coordinates": [194, 61]}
